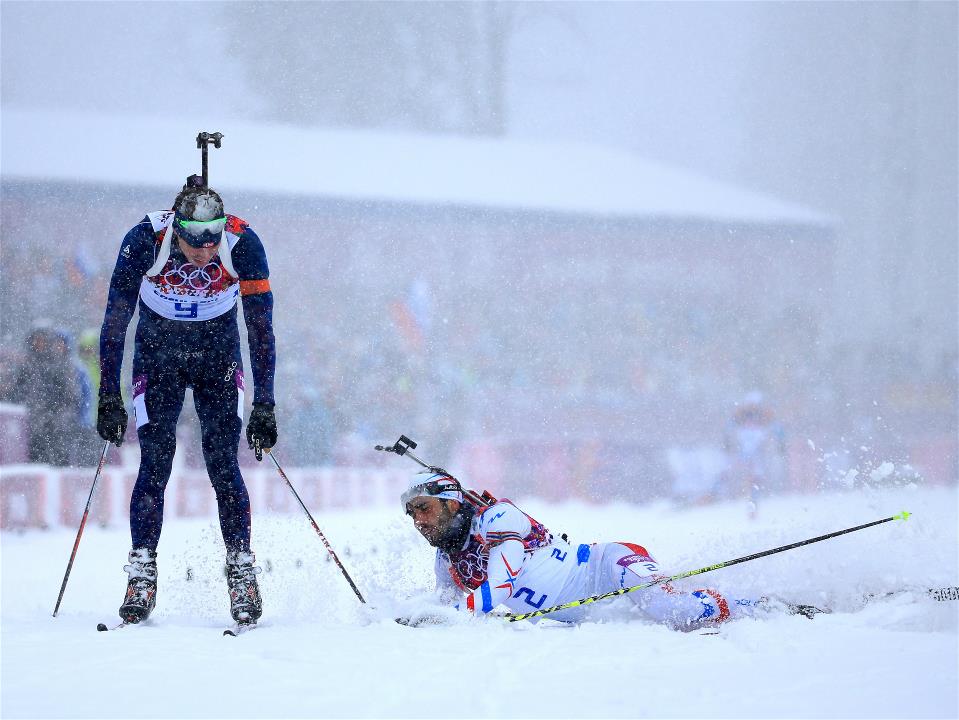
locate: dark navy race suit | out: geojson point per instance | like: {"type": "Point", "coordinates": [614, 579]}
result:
{"type": "Point", "coordinates": [187, 336]}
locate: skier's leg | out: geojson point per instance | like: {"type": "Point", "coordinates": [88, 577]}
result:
{"type": "Point", "coordinates": [219, 405]}
{"type": "Point", "coordinates": [158, 398]}
{"type": "Point", "coordinates": [627, 565]}
{"type": "Point", "coordinates": [218, 394]}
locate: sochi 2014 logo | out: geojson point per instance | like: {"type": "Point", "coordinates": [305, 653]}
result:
{"type": "Point", "coordinates": [193, 276]}
{"type": "Point", "coordinates": [191, 280]}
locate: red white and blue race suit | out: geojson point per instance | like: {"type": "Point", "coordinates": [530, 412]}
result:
{"type": "Point", "coordinates": [187, 336]}
{"type": "Point", "coordinates": [511, 559]}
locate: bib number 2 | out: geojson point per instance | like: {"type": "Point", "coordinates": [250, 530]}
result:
{"type": "Point", "coordinates": [527, 595]}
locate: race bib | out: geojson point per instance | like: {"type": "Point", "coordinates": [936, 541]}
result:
{"type": "Point", "coordinates": [190, 292]}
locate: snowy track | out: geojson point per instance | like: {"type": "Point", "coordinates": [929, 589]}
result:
{"type": "Point", "coordinates": [318, 654]}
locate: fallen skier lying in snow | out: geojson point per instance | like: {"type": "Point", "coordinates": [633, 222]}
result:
{"type": "Point", "coordinates": [495, 554]}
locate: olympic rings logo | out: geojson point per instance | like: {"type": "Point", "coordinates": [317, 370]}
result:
{"type": "Point", "coordinates": [197, 278]}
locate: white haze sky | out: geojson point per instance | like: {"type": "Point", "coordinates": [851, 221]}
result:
{"type": "Point", "coordinates": [848, 108]}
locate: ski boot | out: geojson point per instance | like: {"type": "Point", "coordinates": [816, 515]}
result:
{"type": "Point", "coordinates": [774, 604]}
{"type": "Point", "coordinates": [141, 596]}
{"type": "Point", "coordinates": [807, 611]}
{"type": "Point", "coordinates": [246, 605]}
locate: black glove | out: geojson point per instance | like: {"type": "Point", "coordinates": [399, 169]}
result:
{"type": "Point", "coordinates": [111, 418]}
{"type": "Point", "coordinates": [261, 429]}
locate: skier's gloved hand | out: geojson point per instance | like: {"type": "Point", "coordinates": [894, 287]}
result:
{"type": "Point", "coordinates": [434, 616]}
{"type": "Point", "coordinates": [261, 429]}
{"type": "Point", "coordinates": [111, 418]}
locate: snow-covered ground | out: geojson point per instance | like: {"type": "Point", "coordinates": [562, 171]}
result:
{"type": "Point", "coordinates": [318, 654]}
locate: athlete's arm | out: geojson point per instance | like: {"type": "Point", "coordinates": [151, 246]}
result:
{"type": "Point", "coordinates": [504, 527]}
{"type": "Point", "coordinates": [446, 590]}
{"type": "Point", "coordinates": [135, 258]}
{"type": "Point", "coordinates": [249, 259]}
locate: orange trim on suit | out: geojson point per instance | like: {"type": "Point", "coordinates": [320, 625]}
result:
{"type": "Point", "coordinates": [254, 287]}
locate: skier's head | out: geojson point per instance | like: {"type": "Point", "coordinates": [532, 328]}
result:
{"type": "Point", "coordinates": [41, 341]}
{"type": "Point", "coordinates": [435, 502]}
{"type": "Point", "coordinates": [754, 398]}
{"type": "Point", "coordinates": [753, 409]}
{"type": "Point", "coordinates": [198, 218]}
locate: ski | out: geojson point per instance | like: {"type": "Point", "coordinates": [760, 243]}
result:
{"type": "Point", "coordinates": [943, 594]}
{"type": "Point", "coordinates": [807, 611]}
{"type": "Point", "coordinates": [239, 629]}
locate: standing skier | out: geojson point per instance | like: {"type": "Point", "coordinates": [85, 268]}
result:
{"type": "Point", "coordinates": [188, 266]}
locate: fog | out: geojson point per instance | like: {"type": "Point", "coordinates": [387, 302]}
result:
{"type": "Point", "coordinates": [590, 344]}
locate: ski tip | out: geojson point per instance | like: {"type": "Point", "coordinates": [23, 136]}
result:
{"type": "Point", "coordinates": [942, 594]}
{"type": "Point", "coordinates": [229, 633]}
{"type": "Point", "coordinates": [102, 627]}
{"type": "Point", "coordinates": [904, 515]}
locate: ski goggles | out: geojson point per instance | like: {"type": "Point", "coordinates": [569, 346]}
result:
{"type": "Point", "coordinates": [443, 487]}
{"type": "Point", "coordinates": [199, 233]}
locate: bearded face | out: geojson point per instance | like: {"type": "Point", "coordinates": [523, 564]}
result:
{"type": "Point", "coordinates": [432, 517]}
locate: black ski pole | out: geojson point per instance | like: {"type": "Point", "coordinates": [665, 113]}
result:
{"type": "Point", "coordinates": [83, 522]}
{"type": "Point", "coordinates": [329, 548]}
{"type": "Point", "coordinates": [202, 141]}
{"type": "Point", "coordinates": [586, 601]}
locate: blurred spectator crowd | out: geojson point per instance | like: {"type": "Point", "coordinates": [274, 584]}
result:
{"type": "Point", "coordinates": [56, 380]}
{"type": "Point", "coordinates": [547, 373]}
